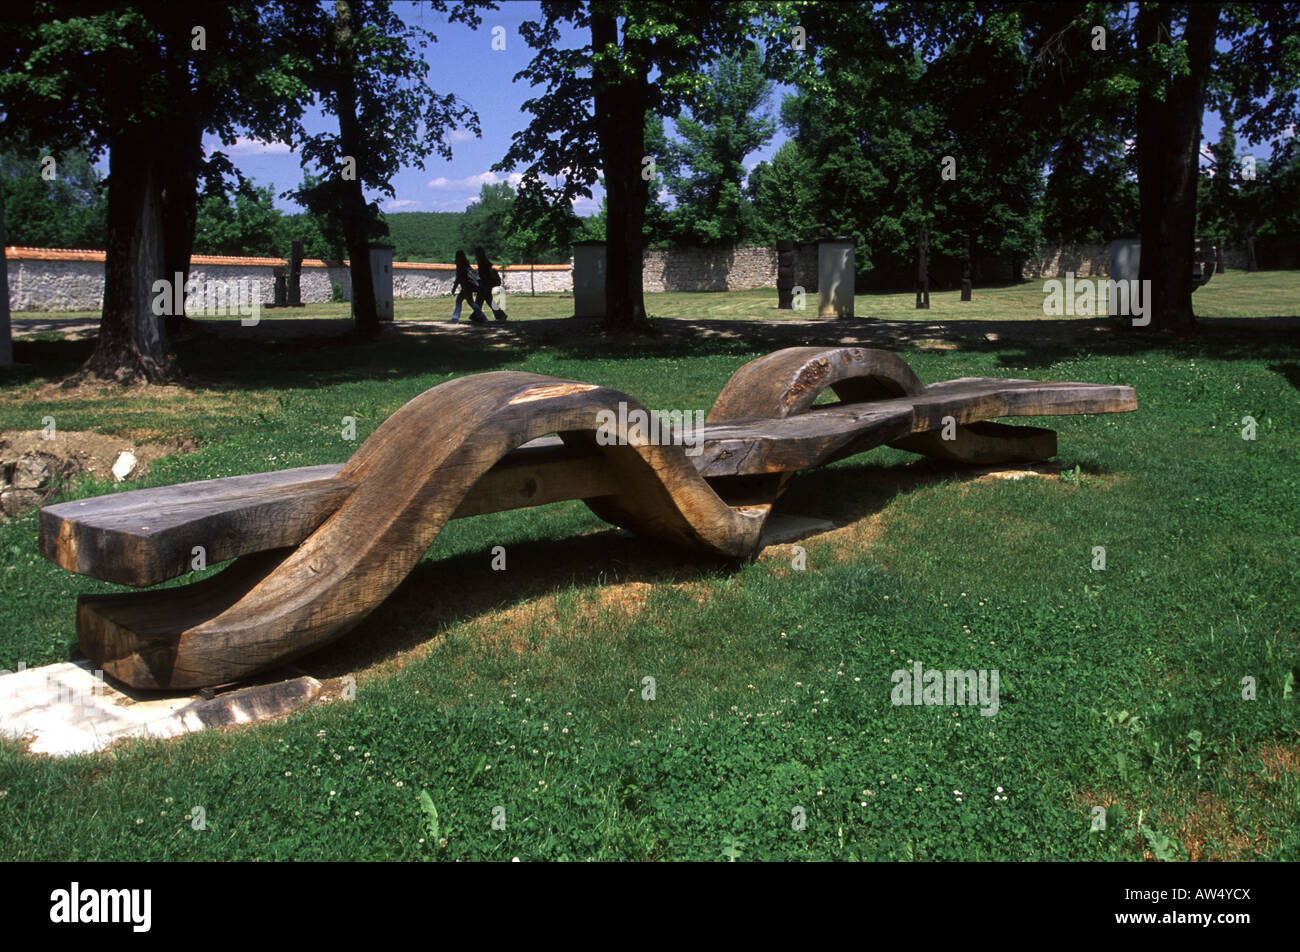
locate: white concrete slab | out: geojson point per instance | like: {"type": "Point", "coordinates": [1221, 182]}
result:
{"type": "Point", "coordinates": [68, 708]}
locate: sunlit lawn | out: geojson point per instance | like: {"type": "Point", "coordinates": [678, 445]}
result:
{"type": "Point", "coordinates": [1233, 294]}
{"type": "Point", "coordinates": [1120, 689]}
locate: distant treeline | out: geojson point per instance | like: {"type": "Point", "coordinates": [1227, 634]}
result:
{"type": "Point", "coordinates": [63, 203]}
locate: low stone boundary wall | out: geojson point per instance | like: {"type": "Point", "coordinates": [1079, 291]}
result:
{"type": "Point", "coordinates": [55, 279]}
{"type": "Point", "coordinates": [58, 279]}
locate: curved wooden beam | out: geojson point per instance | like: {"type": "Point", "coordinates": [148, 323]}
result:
{"type": "Point", "coordinates": [410, 476]}
{"type": "Point", "coordinates": [322, 547]}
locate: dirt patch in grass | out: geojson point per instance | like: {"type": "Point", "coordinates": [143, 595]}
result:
{"type": "Point", "coordinates": [33, 468]}
{"type": "Point", "coordinates": [1211, 830]}
{"type": "Point", "coordinates": [84, 451]}
{"type": "Point", "coordinates": [1279, 759]}
{"type": "Point", "coordinates": [91, 389]}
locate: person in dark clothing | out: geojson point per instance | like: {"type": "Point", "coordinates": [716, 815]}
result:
{"type": "Point", "coordinates": [488, 280]}
{"type": "Point", "coordinates": [469, 290]}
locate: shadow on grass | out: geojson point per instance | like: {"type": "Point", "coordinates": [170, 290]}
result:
{"type": "Point", "coordinates": [440, 594]}
{"type": "Point", "coordinates": [223, 361]}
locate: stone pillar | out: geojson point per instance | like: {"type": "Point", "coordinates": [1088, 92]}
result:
{"type": "Point", "coordinates": [281, 298]}
{"type": "Point", "coordinates": [835, 277]}
{"type": "Point", "coordinates": [381, 273]}
{"type": "Point", "coordinates": [295, 274]}
{"type": "Point", "coordinates": [1251, 266]}
{"type": "Point", "coordinates": [785, 274]}
{"type": "Point", "coordinates": [965, 268]}
{"type": "Point", "coordinates": [589, 279]}
{"type": "Point", "coordinates": [923, 270]}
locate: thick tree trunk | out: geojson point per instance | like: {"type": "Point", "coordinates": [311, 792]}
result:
{"type": "Point", "coordinates": [620, 104]}
{"type": "Point", "coordinates": [1168, 145]}
{"type": "Point", "coordinates": [131, 346]}
{"type": "Point", "coordinates": [356, 214]}
{"type": "Point", "coordinates": [180, 206]}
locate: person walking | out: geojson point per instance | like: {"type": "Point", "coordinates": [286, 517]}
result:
{"type": "Point", "coordinates": [488, 280]}
{"type": "Point", "coordinates": [469, 290]}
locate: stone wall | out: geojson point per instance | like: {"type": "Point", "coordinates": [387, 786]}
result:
{"type": "Point", "coordinates": [42, 279]}
{"type": "Point", "coordinates": [1093, 261]}
{"type": "Point", "coordinates": [58, 279]}
{"type": "Point", "coordinates": [722, 269]}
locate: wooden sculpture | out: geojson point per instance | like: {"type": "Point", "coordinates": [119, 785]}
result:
{"type": "Point", "coordinates": [320, 547]}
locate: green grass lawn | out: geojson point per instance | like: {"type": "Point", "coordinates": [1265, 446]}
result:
{"type": "Point", "coordinates": [522, 689]}
{"type": "Point", "coordinates": [1232, 294]}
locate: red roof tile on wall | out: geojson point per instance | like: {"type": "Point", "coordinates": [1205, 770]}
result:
{"type": "Point", "coordinates": [81, 254]}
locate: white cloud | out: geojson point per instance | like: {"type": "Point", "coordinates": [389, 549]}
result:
{"type": "Point", "coordinates": [401, 205]}
{"type": "Point", "coordinates": [245, 146]}
{"type": "Point", "coordinates": [460, 135]}
{"type": "Point", "coordinates": [474, 181]}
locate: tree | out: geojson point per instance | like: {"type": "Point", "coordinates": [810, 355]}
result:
{"type": "Point", "coordinates": [537, 229]}
{"type": "Point", "coordinates": [781, 191]}
{"type": "Point", "coordinates": [484, 222]}
{"type": "Point", "coordinates": [144, 81]}
{"type": "Point", "coordinates": [900, 125]}
{"type": "Point", "coordinates": [243, 224]}
{"type": "Point", "coordinates": [707, 172]}
{"type": "Point", "coordinates": [1170, 108]}
{"type": "Point", "coordinates": [590, 117]}
{"type": "Point", "coordinates": [367, 67]}
{"type": "Point", "coordinates": [53, 201]}
{"type": "Point", "coordinates": [1246, 54]}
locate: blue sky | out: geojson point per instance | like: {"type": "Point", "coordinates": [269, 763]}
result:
{"type": "Point", "coordinates": [463, 62]}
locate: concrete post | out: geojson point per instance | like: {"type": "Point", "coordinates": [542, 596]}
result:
{"type": "Point", "coordinates": [1125, 261]}
{"type": "Point", "coordinates": [381, 273]}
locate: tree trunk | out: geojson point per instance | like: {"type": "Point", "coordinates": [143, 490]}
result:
{"type": "Point", "coordinates": [131, 346]}
{"type": "Point", "coordinates": [180, 206]}
{"type": "Point", "coordinates": [356, 213]}
{"type": "Point", "coordinates": [620, 106]}
{"type": "Point", "coordinates": [6, 339]}
{"type": "Point", "coordinates": [922, 270]}
{"type": "Point", "coordinates": [1168, 146]}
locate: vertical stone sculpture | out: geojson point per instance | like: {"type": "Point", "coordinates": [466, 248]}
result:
{"type": "Point", "coordinates": [295, 274]}
{"type": "Point", "coordinates": [589, 279]}
{"type": "Point", "coordinates": [281, 298]}
{"type": "Point", "coordinates": [785, 274]}
{"type": "Point", "coordinates": [923, 270]}
{"type": "Point", "coordinates": [965, 267]}
{"type": "Point", "coordinates": [835, 277]}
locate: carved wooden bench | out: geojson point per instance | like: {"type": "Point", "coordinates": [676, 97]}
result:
{"type": "Point", "coordinates": [318, 548]}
